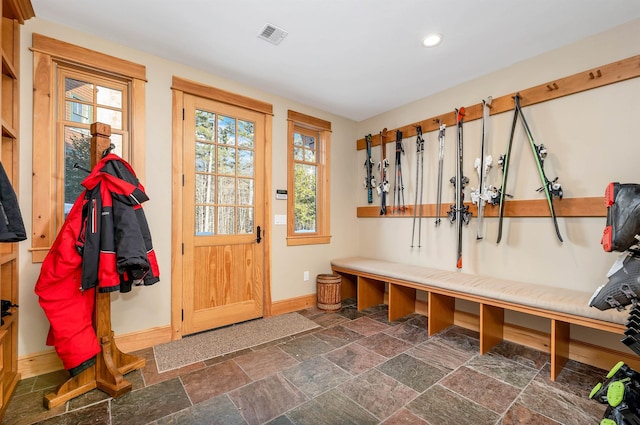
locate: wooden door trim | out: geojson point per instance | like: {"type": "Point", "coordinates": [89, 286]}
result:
{"type": "Point", "coordinates": [177, 200]}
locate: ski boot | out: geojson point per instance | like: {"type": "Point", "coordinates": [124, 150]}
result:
{"type": "Point", "coordinates": [619, 372]}
{"type": "Point", "coordinates": [623, 287]}
{"type": "Point", "coordinates": [623, 216]}
{"type": "Point", "coordinates": [623, 399]}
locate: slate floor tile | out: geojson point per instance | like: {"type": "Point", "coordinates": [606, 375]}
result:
{"type": "Point", "coordinates": [338, 335]}
{"type": "Point", "coordinates": [266, 399]}
{"type": "Point", "coordinates": [378, 393]}
{"type": "Point", "coordinates": [409, 333]}
{"type": "Point", "coordinates": [149, 404]}
{"type": "Point", "coordinates": [438, 353]}
{"type": "Point", "coordinates": [331, 408]}
{"type": "Point", "coordinates": [265, 362]}
{"type": "Point", "coordinates": [529, 357]}
{"type": "Point", "coordinates": [441, 406]}
{"type": "Point", "coordinates": [503, 369]}
{"type": "Point", "coordinates": [355, 358]}
{"type": "Point", "coordinates": [214, 411]}
{"type": "Point", "coordinates": [214, 381]}
{"type": "Point", "coordinates": [385, 345]}
{"type": "Point", "coordinates": [315, 376]}
{"type": "Point", "coordinates": [412, 372]}
{"type": "Point", "coordinates": [365, 326]}
{"type": "Point", "coordinates": [521, 415]}
{"type": "Point", "coordinates": [91, 415]}
{"type": "Point", "coordinates": [486, 391]}
{"type": "Point", "coordinates": [305, 347]}
{"type": "Point", "coordinates": [404, 417]}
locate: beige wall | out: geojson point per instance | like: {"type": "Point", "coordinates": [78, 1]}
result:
{"type": "Point", "coordinates": [592, 139]}
{"type": "Point", "coordinates": [149, 307]}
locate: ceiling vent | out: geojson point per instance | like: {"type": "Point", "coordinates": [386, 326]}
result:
{"type": "Point", "coordinates": [272, 34]}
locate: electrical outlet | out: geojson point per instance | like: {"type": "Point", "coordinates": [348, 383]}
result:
{"type": "Point", "coordinates": [305, 276]}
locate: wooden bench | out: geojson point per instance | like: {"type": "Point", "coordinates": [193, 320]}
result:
{"type": "Point", "coordinates": [368, 278]}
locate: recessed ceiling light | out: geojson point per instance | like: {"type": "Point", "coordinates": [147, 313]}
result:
{"type": "Point", "coordinates": [432, 40]}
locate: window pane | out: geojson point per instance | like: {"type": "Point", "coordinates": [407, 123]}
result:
{"type": "Point", "coordinates": [205, 219]}
{"type": "Point", "coordinates": [246, 134]}
{"type": "Point", "coordinates": [309, 155]}
{"type": "Point", "coordinates": [205, 125]}
{"type": "Point", "coordinates": [309, 142]}
{"type": "Point", "coordinates": [298, 154]}
{"type": "Point", "coordinates": [76, 89]}
{"type": "Point", "coordinates": [245, 163]}
{"type": "Point", "coordinates": [205, 157]}
{"type": "Point", "coordinates": [226, 190]}
{"type": "Point", "coordinates": [78, 112]}
{"type": "Point", "coordinates": [226, 160]}
{"type": "Point", "coordinates": [245, 191]}
{"type": "Point", "coordinates": [226, 220]}
{"type": "Point", "coordinates": [116, 141]}
{"type": "Point", "coordinates": [111, 117]}
{"type": "Point", "coordinates": [226, 130]}
{"type": "Point", "coordinates": [245, 220]}
{"type": "Point", "coordinates": [76, 151]}
{"type": "Point", "coordinates": [305, 194]}
{"type": "Point", "coordinates": [205, 189]}
{"type": "Point", "coordinates": [109, 97]}
{"type": "Point", "coordinates": [297, 139]}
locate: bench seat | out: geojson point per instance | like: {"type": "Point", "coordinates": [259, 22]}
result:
{"type": "Point", "coordinates": [562, 306]}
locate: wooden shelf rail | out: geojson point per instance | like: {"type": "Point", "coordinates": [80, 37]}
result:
{"type": "Point", "coordinates": [593, 78]}
{"type": "Point", "coordinates": [567, 207]}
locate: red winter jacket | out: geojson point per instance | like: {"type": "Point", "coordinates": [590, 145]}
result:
{"type": "Point", "coordinates": [104, 242]}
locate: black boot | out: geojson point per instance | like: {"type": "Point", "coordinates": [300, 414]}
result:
{"type": "Point", "coordinates": [623, 287]}
{"type": "Point", "coordinates": [623, 216]}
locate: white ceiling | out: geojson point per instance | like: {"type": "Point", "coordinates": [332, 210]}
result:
{"type": "Point", "coordinates": [354, 58]}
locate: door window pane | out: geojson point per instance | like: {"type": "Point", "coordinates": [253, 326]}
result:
{"type": "Point", "coordinates": [205, 157]}
{"type": "Point", "coordinates": [245, 191]}
{"type": "Point", "coordinates": [226, 190]}
{"type": "Point", "coordinates": [205, 125]}
{"type": "Point", "coordinates": [245, 221]}
{"type": "Point", "coordinates": [205, 189]}
{"type": "Point", "coordinates": [246, 134]}
{"type": "Point", "coordinates": [205, 219]}
{"type": "Point", "coordinates": [226, 160]}
{"type": "Point", "coordinates": [226, 220]}
{"type": "Point", "coordinates": [245, 163]}
{"type": "Point", "coordinates": [226, 130]}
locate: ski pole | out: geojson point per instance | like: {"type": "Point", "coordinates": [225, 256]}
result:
{"type": "Point", "coordinates": [398, 187]}
{"type": "Point", "coordinates": [440, 161]}
{"type": "Point", "coordinates": [383, 165]}
{"type": "Point", "coordinates": [419, 185]}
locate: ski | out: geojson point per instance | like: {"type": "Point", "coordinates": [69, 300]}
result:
{"type": "Point", "coordinates": [551, 188]}
{"type": "Point", "coordinates": [398, 186]}
{"type": "Point", "coordinates": [441, 132]}
{"type": "Point", "coordinates": [417, 204]}
{"type": "Point", "coordinates": [383, 166]}
{"type": "Point", "coordinates": [459, 213]}
{"type": "Point", "coordinates": [369, 181]}
{"type": "Point", "coordinates": [483, 194]}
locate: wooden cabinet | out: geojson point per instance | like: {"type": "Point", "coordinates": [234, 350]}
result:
{"type": "Point", "coordinates": [14, 13]}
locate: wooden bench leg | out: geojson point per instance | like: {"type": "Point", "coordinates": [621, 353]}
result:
{"type": "Point", "coordinates": [348, 286]}
{"type": "Point", "coordinates": [560, 335]}
{"type": "Point", "coordinates": [441, 309]}
{"type": "Point", "coordinates": [491, 327]}
{"type": "Point", "coordinates": [402, 301]}
{"type": "Point", "coordinates": [370, 292]}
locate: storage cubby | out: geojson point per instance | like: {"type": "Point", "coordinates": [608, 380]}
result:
{"type": "Point", "coordinates": [14, 13]}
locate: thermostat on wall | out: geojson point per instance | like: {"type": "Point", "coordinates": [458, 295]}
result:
{"type": "Point", "coordinates": [281, 194]}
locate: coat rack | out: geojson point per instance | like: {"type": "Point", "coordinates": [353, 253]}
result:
{"type": "Point", "coordinates": [111, 363]}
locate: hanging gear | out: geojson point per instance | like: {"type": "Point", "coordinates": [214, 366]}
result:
{"type": "Point", "coordinates": [441, 132]}
{"type": "Point", "coordinates": [483, 164]}
{"type": "Point", "coordinates": [369, 181]}
{"type": "Point", "coordinates": [459, 213]}
{"type": "Point", "coordinates": [419, 185]}
{"type": "Point", "coordinates": [550, 188]}
{"type": "Point", "coordinates": [623, 216]}
{"type": "Point", "coordinates": [383, 166]}
{"type": "Point", "coordinates": [398, 186]}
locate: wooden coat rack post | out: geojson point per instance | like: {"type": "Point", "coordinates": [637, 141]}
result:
{"type": "Point", "coordinates": [111, 364]}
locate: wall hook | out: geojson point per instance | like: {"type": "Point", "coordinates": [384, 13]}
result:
{"type": "Point", "coordinates": [552, 87]}
{"type": "Point", "coordinates": [598, 74]}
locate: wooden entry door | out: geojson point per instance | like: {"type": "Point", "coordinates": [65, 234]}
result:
{"type": "Point", "coordinates": [223, 212]}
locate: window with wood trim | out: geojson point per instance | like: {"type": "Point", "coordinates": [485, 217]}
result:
{"type": "Point", "coordinates": [74, 87]}
{"type": "Point", "coordinates": [308, 208]}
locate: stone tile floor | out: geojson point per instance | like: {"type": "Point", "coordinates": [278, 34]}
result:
{"type": "Point", "coordinates": [357, 368]}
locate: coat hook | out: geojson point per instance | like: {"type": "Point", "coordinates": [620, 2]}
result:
{"type": "Point", "coordinates": [552, 87]}
{"type": "Point", "coordinates": [597, 75]}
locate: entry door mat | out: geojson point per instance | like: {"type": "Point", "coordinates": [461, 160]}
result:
{"type": "Point", "coordinates": [206, 345]}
